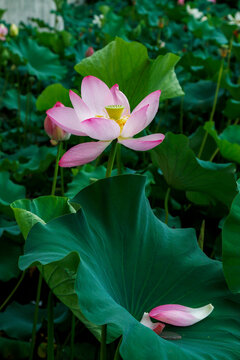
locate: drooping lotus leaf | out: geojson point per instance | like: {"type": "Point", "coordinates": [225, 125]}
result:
{"type": "Point", "coordinates": [231, 245]}
{"type": "Point", "coordinates": [42, 209]}
{"type": "Point", "coordinates": [9, 191]}
{"type": "Point", "coordinates": [147, 75]}
{"type": "Point", "coordinates": [121, 260]}
{"type": "Point", "coordinates": [183, 171]}
{"type": "Point", "coordinates": [52, 94]}
{"type": "Point", "coordinates": [228, 141]}
{"type": "Point", "coordinates": [40, 61]}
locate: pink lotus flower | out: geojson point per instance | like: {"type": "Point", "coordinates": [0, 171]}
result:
{"type": "Point", "coordinates": [181, 2]}
{"type": "Point", "coordinates": [104, 114]}
{"type": "Point", "coordinates": [174, 314]}
{"type": "Point", "coordinates": [3, 32]}
{"type": "Point", "coordinates": [55, 132]}
{"type": "Point", "coordinates": [212, 1]}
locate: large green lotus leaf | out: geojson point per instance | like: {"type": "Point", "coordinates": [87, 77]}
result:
{"type": "Point", "coordinates": [89, 174]}
{"type": "Point", "coordinates": [123, 261]}
{"type": "Point", "coordinates": [17, 320]}
{"type": "Point", "coordinates": [29, 160]}
{"type": "Point", "coordinates": [42, 209]}
{"type": "Point", "coordinates": [228, 141]}
{"type": "Point", "coordinates": [231, 245]}
{"type": "Point", "coordinates": [183, 171]}
{"type": "Point", "coordinates": [53, 93]}
{"type": "Point", "coordinates": [128, 64]}
{"type": "Point", "coordinates": [40, 61]}
{"type": "Point", "coordinates": [9, 192]}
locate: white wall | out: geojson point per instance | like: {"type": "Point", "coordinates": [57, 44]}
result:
{"type": "Point", "coordinates": [21, 10]}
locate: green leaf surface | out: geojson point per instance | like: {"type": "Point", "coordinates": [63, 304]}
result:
{"type": "Point", "coordinates": [228, 141]}
{"type": "Point", "coordinates": [119, 258]}
{"type": "Point", "coordinates": [17, 320]}
{"type": "Point", "coordinates": [232, 109]}
{"type": "Point", "coordinates": [183, 171]}
{"type": "Point", "coordinates": [53, 93]}
{"type": "Point", "coordinates": [9, 192]}
{"type": "Point", "coordinates": [43, 209]}
{"type": "Point", "coordinates": [40, 61]}
{"type": "Point", "coordinates": [231, 245]}
{"type": "Point", "coordinates": [139, 75]}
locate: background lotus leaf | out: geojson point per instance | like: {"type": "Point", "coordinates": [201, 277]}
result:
{"type": "Point", "coordinates": [40, 61]}
{"type": "Point", "coordinates": [147, 75]}
{"type": "Point", "coordinates": [228, 141]}
{"type": "Point", "coordinates": [183, 171]}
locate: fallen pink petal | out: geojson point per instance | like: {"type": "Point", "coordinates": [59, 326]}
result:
{"type": "Point", "coordinates": [179, 315]}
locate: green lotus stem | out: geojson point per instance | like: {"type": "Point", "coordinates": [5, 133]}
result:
{"type": "Point", "coordinates": [217, 90]}
{"type": "Point", "coordinates": [27, 111]}
{"type": "Point", "coordinates": [214, 154]}
{"type": "Point", "coordinates": [62, 181]}
{"type": "Point", "coordinates": [72, 336]}
{"type": "Point", "coordinates": [35, 317]}
{"type": "Point", "coordinates": [213, 108]}
{"type": "Point", "coordinates": [111, 158]}
{"type": "Point", "coordinates": [181, 115]}
{"type": "Point", "coordinates": [50, 345]}
{"type": "Point", "coordinates": [119, 164]}
{"type": "Point", "coordinates": [166, 204]}
{"type": "Point", "coordinates": [103, 350]}
{"type": "Point", "coordinates": [56, 168]}
{"type": "Point", "coordinates": [117, 353]}
{"type": "Point", "coordinates": [229, 52]}
{"type": "Point", "coordinates": [13, 291]}
{"type": "Point", "coordinates": [201, 235]}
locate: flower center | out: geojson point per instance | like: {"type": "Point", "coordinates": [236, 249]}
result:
{"type": "Point", "coordinates": [115, 113]}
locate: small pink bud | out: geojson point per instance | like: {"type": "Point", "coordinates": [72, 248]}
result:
{"type": "Point", "coordinates": [3, 32]}
{"type": "Point", "coordinates": [55, 132]}
{"type": "Point", "coordinates": [89, 51]}
{"type": "Point", "coordinates": [181, 2]}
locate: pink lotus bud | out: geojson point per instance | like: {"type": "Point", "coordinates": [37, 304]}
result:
{"type": "Point", "coordinates": [55, 132]}
{"type": "Point", "coordinates": [3, 32]}
{"type": "Point", "coordinates": [212, 1]}
{"type": "Point", "coordinates": [181, 2]}
{"type": "Point", "coordinates": [89, 51]}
